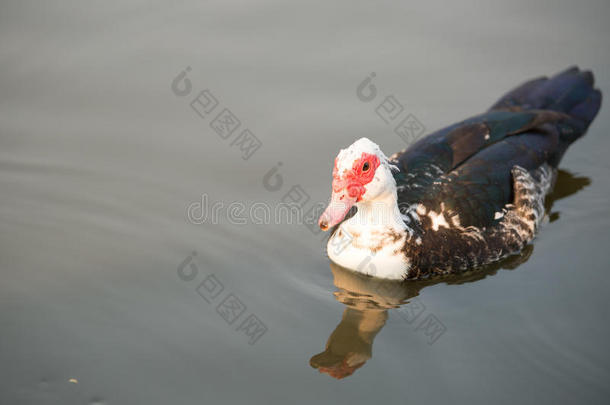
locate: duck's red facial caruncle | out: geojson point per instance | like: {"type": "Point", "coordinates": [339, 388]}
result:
{"type": "Point", "coordinates": [348, 188]}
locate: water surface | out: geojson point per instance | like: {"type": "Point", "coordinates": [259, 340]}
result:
{"type": "Point", "coordinates": [102, 296]}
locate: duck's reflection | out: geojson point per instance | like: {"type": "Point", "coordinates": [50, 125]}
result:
{"type": "Point", "coordinates": [368, 300]}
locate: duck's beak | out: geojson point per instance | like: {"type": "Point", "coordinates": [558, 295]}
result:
{"type": "Point", "coordinates": [339, 206]}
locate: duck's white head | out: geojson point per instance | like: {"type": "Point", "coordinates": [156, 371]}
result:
{"type": "Point", "coordinates": [362, 174]}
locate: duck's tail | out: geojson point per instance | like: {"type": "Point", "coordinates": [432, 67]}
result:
{"type": "Point", "coordinates": [570, 92]}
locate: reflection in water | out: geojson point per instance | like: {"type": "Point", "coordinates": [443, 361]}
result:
{"type": "Point", "coordinates": [368, 299]}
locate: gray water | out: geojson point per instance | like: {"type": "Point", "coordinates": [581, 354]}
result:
{"type": "Point", "coordinates": [101, 296]}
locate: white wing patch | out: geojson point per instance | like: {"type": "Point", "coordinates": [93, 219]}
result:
{"type": "Point", "coordinates": [438, 220]}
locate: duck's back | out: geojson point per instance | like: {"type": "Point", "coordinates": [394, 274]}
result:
{"type": "Point", "coordinates": [464, 171]}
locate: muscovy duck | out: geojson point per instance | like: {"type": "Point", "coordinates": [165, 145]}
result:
{"type": "Point", "coordinates": [464, 196]}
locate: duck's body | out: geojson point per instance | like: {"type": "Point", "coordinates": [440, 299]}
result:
{"type": "Point", "coordinates": [464, 196]}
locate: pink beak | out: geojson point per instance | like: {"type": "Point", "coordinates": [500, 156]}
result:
{"type": "Point", "coordinates": [339, 206]}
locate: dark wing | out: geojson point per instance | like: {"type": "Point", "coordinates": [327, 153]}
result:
{"type": "Point", "coordinates": [467, 166]}
{"type": "Point", "coordinates": [439, 153]}
{"type": "Point", "coordinates": [483, 185]}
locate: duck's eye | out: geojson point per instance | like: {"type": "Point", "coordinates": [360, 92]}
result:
{"type": "Point", "coordinates": [366, 167]}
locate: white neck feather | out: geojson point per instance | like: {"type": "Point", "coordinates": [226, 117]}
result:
{"type": "Point", "coordinates": [377, 215]}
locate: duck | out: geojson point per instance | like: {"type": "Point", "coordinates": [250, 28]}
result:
{"type": "Point", "coordinates": [367, 301]}
{"type": "Point", "coordinates": [462, 197]}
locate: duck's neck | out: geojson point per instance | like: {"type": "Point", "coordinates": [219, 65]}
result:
{"type": "Point", "coordinates": [379, 214]}
{"type": "Point", "coordinates": [377, 233]}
